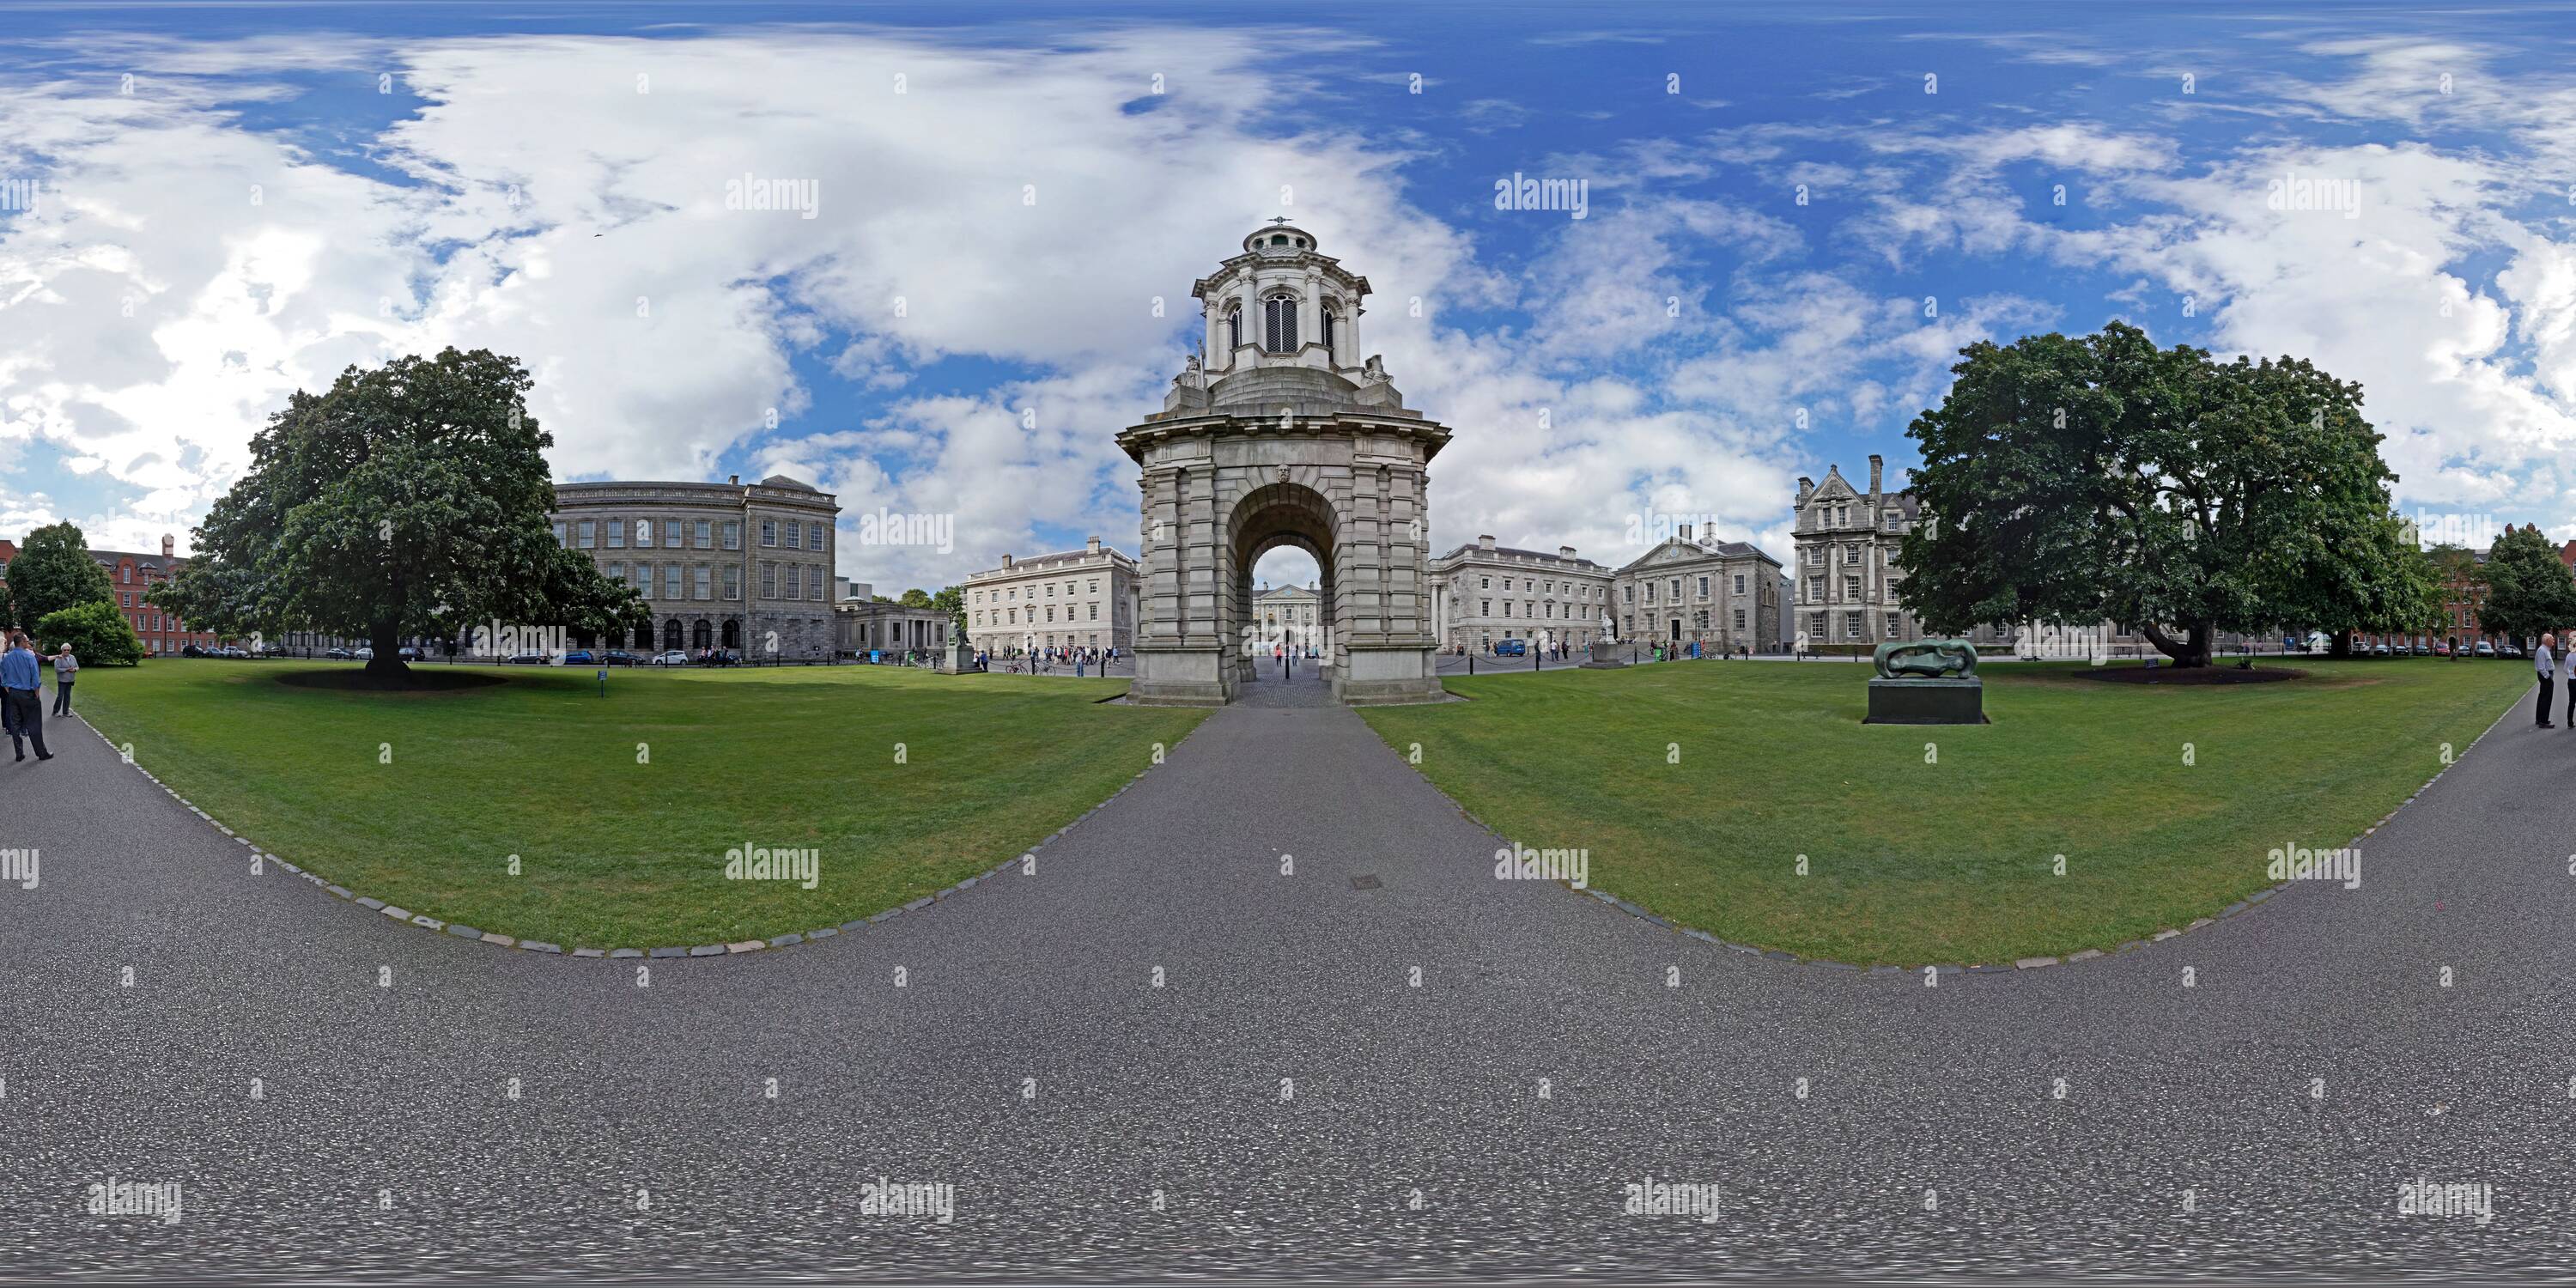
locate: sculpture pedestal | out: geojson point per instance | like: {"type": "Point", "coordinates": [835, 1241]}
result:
{"type": "Point", "coordinates": [1927, 702]}
{"type": "Point", "coordinates": [960, 660]}
{"type": "Point", "coordinates": [1604, 656]}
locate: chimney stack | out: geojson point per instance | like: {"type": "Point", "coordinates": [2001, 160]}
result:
{"type": "Point", "coordinates": [1876, 464]}
{"type": "Point", "coordinates": [1682, 530]}
{"type": "Point", "coordinates": [1485, 541]}
{"type": "Point", "coordinates": [1094, 546]}
{"type": "Point", "coordinates": [734, 479]}
{"type": "Point", "coordinates": [1565, 552]}
{"type": "Point", "coordinates": [169, 545]}
{"type": "Point", "coordinates": [1006, 563]}
{"type": "Point", "coordinates": [1806, 488]}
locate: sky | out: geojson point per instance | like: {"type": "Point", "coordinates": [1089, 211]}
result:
{"type": "Point", "coordinates": [1793, 217]}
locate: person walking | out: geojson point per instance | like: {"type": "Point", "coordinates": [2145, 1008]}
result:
{"type": "Point", "coordinates": [65, 667]}
{"type": "Point", "coordinates": [2567, 675]}
{"type": "Point", "coordinates": [2547, 666]}
{"type": "Point", "coordinates": [18, 677]}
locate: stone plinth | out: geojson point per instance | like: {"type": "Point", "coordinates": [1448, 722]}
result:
{"type": "Point", "coordinates": [1927, 702]}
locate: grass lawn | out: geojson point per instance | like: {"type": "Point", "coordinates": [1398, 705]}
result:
{"type": "Point", "coordinates": [615, 853]}
{"type": "Point", "coordinates": [1912, 861]}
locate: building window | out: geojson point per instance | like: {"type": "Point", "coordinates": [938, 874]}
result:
{"type": "Point", "coordinates": [1703, 587]}
{"type": "Point", "coordinates": [1739, 619]}
{"type": "Point", "coordinates": [733, 534]}
{"type": "Point", "coordinates": [671, 582]}
{"type": "Point", "coordinates": [733, 583]}
{"type": "Point", "coordinates": [705, 582]}
{"type": "Point", "coordinates": [644, 580]}
{"type": "Point", "coordinates": [1233, 329]}
{"type": "Point", "coordinates": [1484, 608]}
{"type": "Point", "coordinates": [1095, 612]}
{"type": "Point", "coordinates": [559, 540]}
{"type": "Point", "coordinates": [769, 532]}
{"type": "Point", "coordinates": [1677, 590]}
{"type": "Point", "coordinates": [617, 573]}
{"type": "Point", "coordinates": [587, 533]}
{"type": "Point", "coordinates": [1851, 587]}
{"type": "Point", "coordinates": [643, 534]}
{"type": "Point", "coordinates": [1851, 626]}
{"type": "Point", "coordinates": [617, 535]}
{"type": "Point", "coordinates": [814, 582]}
{"type": "Point", "coordinates": [706, 534]}
{"type": "Point", "coordinates": [769, 581]}
{"type": "Point", "coordinates": [1891, 626]}
{"type": "Point", "coordinates": [1279, 324]}
{"type": "Point", "coordinates": [1739, 583]}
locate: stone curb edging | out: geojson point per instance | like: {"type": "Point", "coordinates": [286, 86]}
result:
{"type": "Point", "coordinates": [436, 926]}
{"type": "Point", "coordinates": [2020, 964]}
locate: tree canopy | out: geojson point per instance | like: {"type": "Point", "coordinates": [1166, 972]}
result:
{"type": "Point", "coordinates": [98, 633]}
{"type": "Point", "coordinates": [54, 570]}
{"type": "Point", "coordinates": [2528, 589]}
{"type": "Point", "coordinates": [2103, 477]}
{"type": "Point", "coordinates": [408, 499]}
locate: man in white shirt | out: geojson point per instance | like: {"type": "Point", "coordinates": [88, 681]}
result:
{"type": "Point", "coordinates": [2541, 661]}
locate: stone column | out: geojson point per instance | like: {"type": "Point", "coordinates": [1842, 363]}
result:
{"type": "Point", "coordinates": [1310, 312]}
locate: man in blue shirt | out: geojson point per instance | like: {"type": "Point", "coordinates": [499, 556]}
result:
{"type": "Point", "coordinates": [18, 673]}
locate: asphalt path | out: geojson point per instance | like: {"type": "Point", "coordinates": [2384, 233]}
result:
{"type": "Point", "coordinates": [1270, 1013]}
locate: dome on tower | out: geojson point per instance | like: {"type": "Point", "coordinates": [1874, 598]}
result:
{"type": "Point", "coordinates": [1278, 237]}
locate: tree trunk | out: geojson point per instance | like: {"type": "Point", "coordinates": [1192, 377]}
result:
{"type": "Point", "coordinates": [386, 666]}
{"type": "Point", "coordinates": [2342, 644]}
{"type": "Point", "coordinates": [2191, 650]}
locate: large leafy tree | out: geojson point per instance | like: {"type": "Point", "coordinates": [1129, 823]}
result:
{"type": "Point", "coordinates": [54, 571]}
{"type": "Point", "coordinates": [410, 499]}
{"type": "Point", "coordinates": [98, 633]}
{"type": "Point", "coordinates": [2103, 477]}
{"type": "Point", "coordinates": [2528, 590]}
{"type": "Point", "coordinates": [952, 601]}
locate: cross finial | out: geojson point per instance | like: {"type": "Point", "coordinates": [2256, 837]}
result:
{"type": "Point", "coordinates": [1280, 219]}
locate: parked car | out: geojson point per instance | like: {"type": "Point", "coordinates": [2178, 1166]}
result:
{"type": "Point", "coordinates": [673, 657]}
{"type": "Point", "coordinates": [619, 657]}
{"type": "Point", "coordinates": [407, 653]}
{"type": "Point", "coordinates": [579, 657]}
{"type": "Point", "coordinates": [2483, 649]}
{"type": "Point", "coordinates": [527, 657]}
{"type": "Point", "coordinates": [339, 654]}
{"type": "Point", "coordinates": [2441, 648]}
{"type": "Point", "coordinates": [193, 650]}
{"type": "Point", "coordinates": [2511, 649]}
{"type": "Point", "coordinates": [2379, 650]}
{"type": "Point", "coordinates": [1510, 648]}
{"type": "Point", "coordinates": [365, 654]}
{"type": "Point", "coordinates": [228, 651]}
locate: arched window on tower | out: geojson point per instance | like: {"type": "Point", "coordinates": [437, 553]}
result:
{"type": "Point", "coordinates": [1279, 324]}
{"type": "Point", "coordinates": [1234, 328]}
{"type": "Point", "coordinates": [1332, 335]}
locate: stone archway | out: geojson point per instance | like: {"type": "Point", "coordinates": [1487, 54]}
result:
{"type": "Point", "coordinates": [1284, 438]}
{"type": "Point", "coordinates": [1280, 514]}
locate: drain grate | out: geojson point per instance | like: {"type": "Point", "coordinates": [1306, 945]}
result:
{"type": "Point", "coordinates": [1364, 882]}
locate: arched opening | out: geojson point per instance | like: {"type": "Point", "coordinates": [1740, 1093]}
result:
{"type": "Point", "coordinates": [1281, 516]}
{"type": "Point", "coordinates": [1279, 324]}
{"type": "Point", "coordinates": [702, 634]}
{"type": "Point", "coordinates": [733, 633]}
{"type": "Point", "coordinates": [642, 637]}
{"type": "Point", "coordinates": [1332, 333]}
{"type": "Point", "coordinates": [671, 637]}
{"type": "Point", "coordinates": [1234, 328]}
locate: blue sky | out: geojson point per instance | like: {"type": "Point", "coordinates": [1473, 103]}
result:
{"type": "Point", "coordinates": [1794, 217]}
